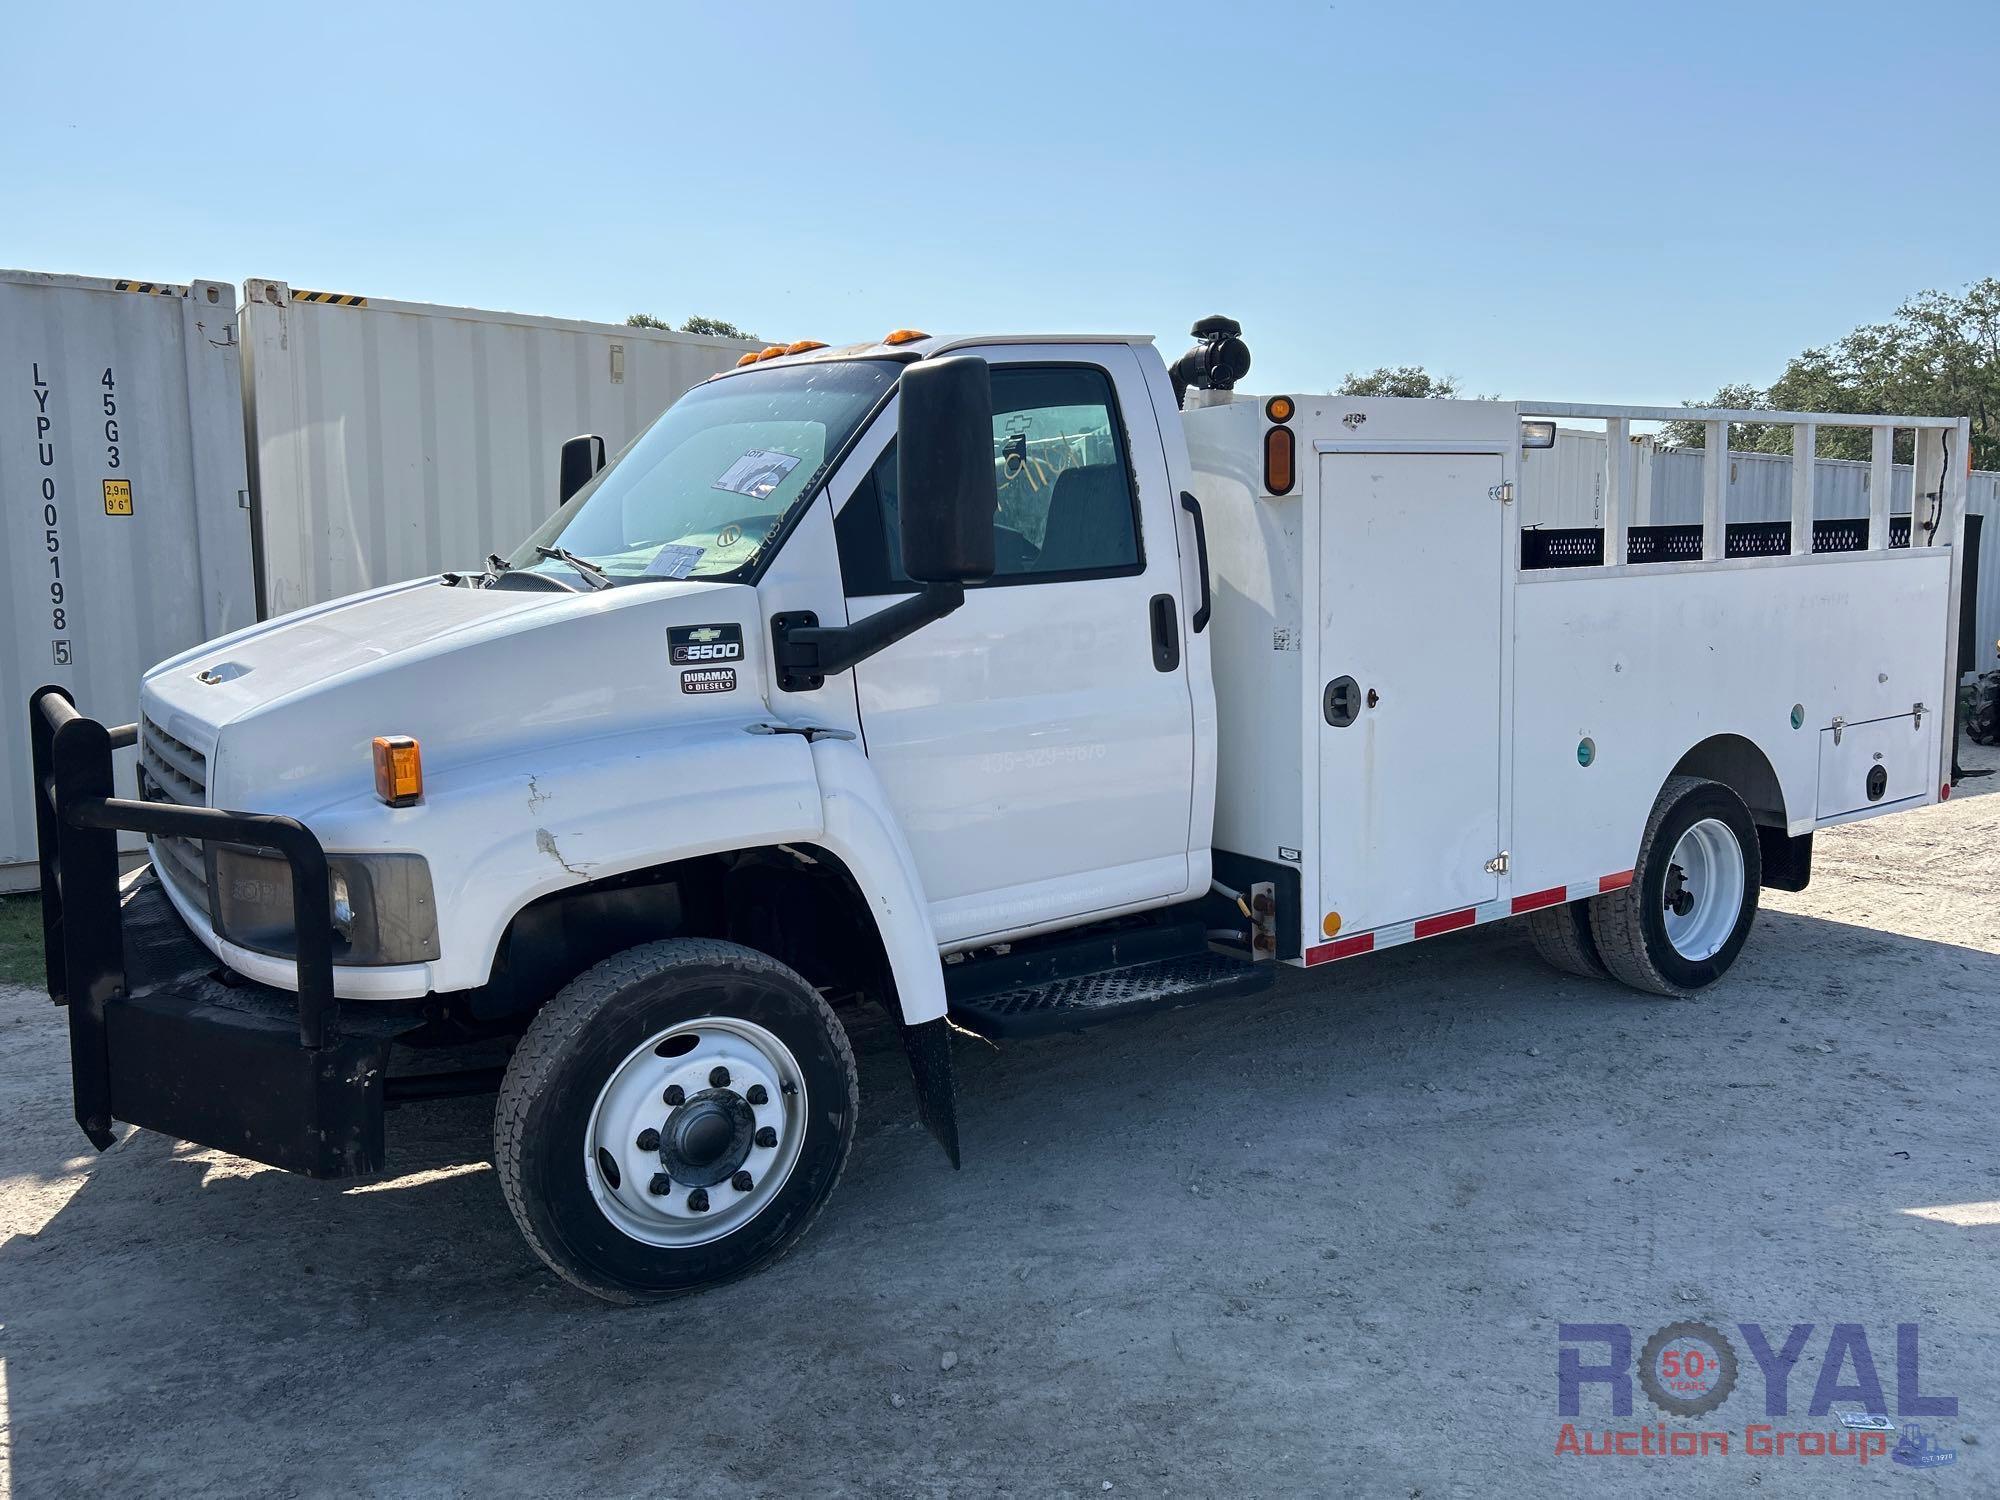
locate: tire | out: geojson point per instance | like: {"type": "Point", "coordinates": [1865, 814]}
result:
{"type": "Point", "coordinates": [1982, 725]}
{"type": "Point", "coordinates": [768, 1096]}
{"type": "Point", "coordinates": [1563, 938]}
{"type": "Point", "coordinates": [1635, 937]}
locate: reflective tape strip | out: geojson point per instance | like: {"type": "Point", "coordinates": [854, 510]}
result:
{"type": "Point", "coordinates": [329, 299]}
{"type": "Point", "coordinates": [1394, 934]}
{"type": "Point", "coordinates": [151, 288]}
{"type": "Point", "coordinates": [1555, 896]}
{"type": "Point", "coordinates": [1345, 947]}
{"type": "Point", "coordinates": [1451, 921]}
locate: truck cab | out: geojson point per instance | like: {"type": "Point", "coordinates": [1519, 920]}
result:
{"type": "Point", "coordinates": [889, 674]}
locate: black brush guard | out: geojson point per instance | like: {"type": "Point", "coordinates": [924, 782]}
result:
{"type": "Point", "coordinates": [186, 1050]}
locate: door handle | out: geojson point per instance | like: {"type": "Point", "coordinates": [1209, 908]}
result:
{"type": "Point", "coordinates": [1198, 621]}
{"type": "Point", "coordinates": [1341, 703]}
{"type": "Point", "coordinates": [1166, 633]}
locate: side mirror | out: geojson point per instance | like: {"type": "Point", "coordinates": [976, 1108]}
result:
{"type": "Point", "coordinates": [944, 470]}
{"type": "Point", "coordinates": [582, 457]}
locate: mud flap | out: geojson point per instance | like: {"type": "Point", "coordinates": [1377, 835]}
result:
{"type": "Point", "coordinates": [929, 1047]}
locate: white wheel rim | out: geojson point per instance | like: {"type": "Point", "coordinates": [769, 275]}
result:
{"type": "Point", "coordinates": [764, 1083]}
{"type": "Point", "coordinates": [1704, 890]}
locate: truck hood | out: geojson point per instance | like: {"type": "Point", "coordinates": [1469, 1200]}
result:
{"type": "Point", "coordinates": [268, 661]}
{"type": "Point", "coordinates": [285, 711]}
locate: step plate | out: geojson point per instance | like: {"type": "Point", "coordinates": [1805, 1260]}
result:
{"type": "Point", "coordinates": [1086, 1000]}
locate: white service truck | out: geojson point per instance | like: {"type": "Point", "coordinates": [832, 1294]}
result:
{"type": "Point", "coordinates": [1009, 683]}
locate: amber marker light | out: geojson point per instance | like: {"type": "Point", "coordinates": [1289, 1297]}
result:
{"type": "Point", "coordinates": [399, 770]}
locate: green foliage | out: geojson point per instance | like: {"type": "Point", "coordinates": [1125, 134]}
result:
{"type": "Point", "coordinates": [1938, 356]}
{"type": "Point", "coordinates": [1403, 380]}
{"type": "Point", "coordinates": [720, 328]}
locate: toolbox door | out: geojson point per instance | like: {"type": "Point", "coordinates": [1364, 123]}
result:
{"type": "Point", "coordinates": [1875, 764]}
{"type": "Point", "coordinates": [1412, 565]}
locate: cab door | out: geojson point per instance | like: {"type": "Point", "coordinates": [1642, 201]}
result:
{"type": "Point", "coordinates": [1038, 743]}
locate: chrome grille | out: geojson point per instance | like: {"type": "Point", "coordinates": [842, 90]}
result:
{"type": "Point", "coordinates": [171, 770]}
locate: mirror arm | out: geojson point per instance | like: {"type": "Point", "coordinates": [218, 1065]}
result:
{"type": "Point", "coordinates": [806, 652]}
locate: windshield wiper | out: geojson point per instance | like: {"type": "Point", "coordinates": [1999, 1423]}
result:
{"type": "Point", "coordinates": [499, 571]}
{"type": "Point", "coordinates": [586, 568]}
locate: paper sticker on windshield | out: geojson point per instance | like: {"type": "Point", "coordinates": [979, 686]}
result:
{"type": "Point", "coordinates": [757, 473]}
{"type": "Point", "coordinates": [675, 560]}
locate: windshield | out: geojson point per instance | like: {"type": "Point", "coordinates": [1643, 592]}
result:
{"type": "Point", "coordinates": [706, 487]}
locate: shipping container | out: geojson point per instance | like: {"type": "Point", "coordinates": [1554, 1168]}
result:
{"type": "Point", "coordinates": [127, 522]}
{"type": "Point", "coordinates": [393, 439]}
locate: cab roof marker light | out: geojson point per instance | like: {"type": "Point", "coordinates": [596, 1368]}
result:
{"type": "Point", "coordinates": [746, 359]}
{"type": "Point", "coordinates": [1538, 432]}
{"type": "Point", "coordinates": [905, 336]}
{"type": "Point", "coordinates": [804, 346]}
{"type": "Point", "coordinates": [776, 351]}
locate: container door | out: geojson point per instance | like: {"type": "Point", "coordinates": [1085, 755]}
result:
{"type": "Point", "coordinates": [122, 486]}
{"type": "Point", "coordinates": [1412, 564]}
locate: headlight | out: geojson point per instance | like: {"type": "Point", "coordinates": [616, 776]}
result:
{"type": "Point", "coordinates": [381, 907]}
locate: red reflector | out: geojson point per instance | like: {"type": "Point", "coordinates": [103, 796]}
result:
{"type": "Point", "coordinates": [1451, 921]}
{"type": "Point", "coordinates": [1944, 792]}
{"type": "Point", "coordinates": [1280, 461]}
{"type": "Point", "coordinates": [1616, 882]}
{"type": "Point", "coordinates": [1345, 947]}
{"type": "Point", "coordinates": [1540, 899]}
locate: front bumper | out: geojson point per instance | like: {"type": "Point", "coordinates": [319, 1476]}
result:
{"type": "Point", "coordinates": [205, 1057]}
{"type": "Point", "coordinates": [159, 1037]}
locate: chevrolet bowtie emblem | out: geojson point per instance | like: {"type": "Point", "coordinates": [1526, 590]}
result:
{"type": "Point", "coordinates": [706, 634]}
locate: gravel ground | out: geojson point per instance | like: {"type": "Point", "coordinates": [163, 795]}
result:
{"type": "Point", "coordinates": [1317, 1242]}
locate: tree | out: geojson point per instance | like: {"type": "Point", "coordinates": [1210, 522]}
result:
{"type": "Point", "coordinates": [1403, 380]}
{"type": "Point", "coordinates": [719, 328]}
{"type": "Point", "coordinates": [1939, 355]}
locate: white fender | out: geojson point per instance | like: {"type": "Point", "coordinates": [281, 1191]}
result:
{"type": "Point", "coordinates": [863, 833]}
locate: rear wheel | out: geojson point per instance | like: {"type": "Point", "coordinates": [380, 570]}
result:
{"type": "Point", "coordinates": [1563, 938]}
{"type": "Point", "coordinates": [675, 1117]}
{"type": "Point", "coordinates": [1687, 913]}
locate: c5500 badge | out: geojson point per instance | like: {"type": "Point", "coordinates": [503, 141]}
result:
{"type": "Point", "coordinates": [694, 645]}
{"type": "Point", "coordinates": [709, 680]}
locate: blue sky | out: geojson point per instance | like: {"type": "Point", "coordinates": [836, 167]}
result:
{"type": "Point", "coordinates": [1590, 202]}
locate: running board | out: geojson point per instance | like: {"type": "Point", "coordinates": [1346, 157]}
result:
{"type": "Point", "coordinates": [1069, 1004]}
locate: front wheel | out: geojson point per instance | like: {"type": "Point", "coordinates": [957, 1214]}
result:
{"type": "Point", "coordinates": [1687, 913]}
{"type": "Point", "coordinates": [677, 1116]}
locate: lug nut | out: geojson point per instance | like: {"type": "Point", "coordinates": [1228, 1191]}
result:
{"type": "Point", "coordinates": [788, 1088]}
{"type": "Point", "coordinates": [768, 1136]}
{"type": "Point", "coordinates": [698, 1201]}
{"type": "Point", "coordinates": [758, 1094]}
{"type": "Point", "coordinates": [649, 1140]}
{"type": "Point", "coordinates": [741, 1182]}
{"type": "Point", "coordinates": [718, 1078]}
{"type": "Point", "coordinates": [674, 1095]}
{"type": "Point", "coordinates": [659, 1187]}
